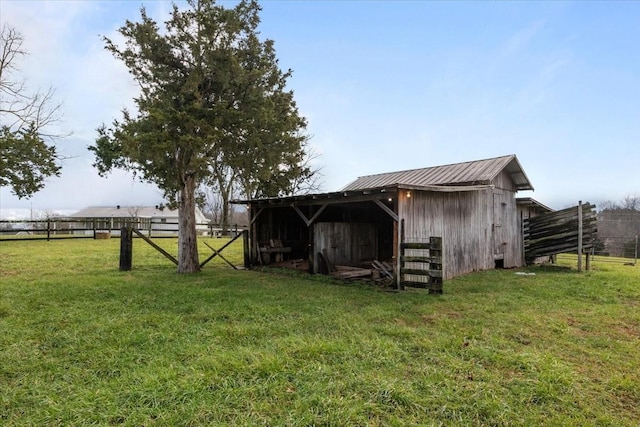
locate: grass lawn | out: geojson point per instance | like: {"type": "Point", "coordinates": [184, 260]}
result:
{"type": "Point", "coordinates": [82, 343]}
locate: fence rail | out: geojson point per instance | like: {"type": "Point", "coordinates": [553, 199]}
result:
{"type": "Point", "coordinates": [97, 228]}
{"type": "Point", "coordinates": [568, 230]}
{"type": "Point", "coordinates": [420, 263]}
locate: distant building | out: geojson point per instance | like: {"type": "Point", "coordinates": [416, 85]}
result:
{"type": "Point", "coordinates": [158, 219]}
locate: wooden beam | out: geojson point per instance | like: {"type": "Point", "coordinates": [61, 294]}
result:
{"type": "Point", "coordinates": [329, 199]}
{"type": "Point", "coordinates": [256, 216]}
{"type": "Point", "coordinates": [337, 197]}
{"type": "Point", "coordinates": [217, 252]}
{"type": "Point", "coordinates": [202, 264]}
{"type": "Point", "coordinates": [381, 267]}
{"type": "Point", "coordinates": [245, 248]}
{"type": "Point", "coordinates": [317, 214]}
{"type": "Point", "coordinates": [302, 215]}
{"type": "Point", "coordinates": [386, 208]}
{"type": "Point", "coordinates": [158, 248]}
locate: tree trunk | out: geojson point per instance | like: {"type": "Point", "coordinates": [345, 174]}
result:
{"type": "Point", "coordinates": [225, 216]}
{"type": "Point", "coordinates": [187, 242]}
{"type": "Point", "coordinates": [225, 185]}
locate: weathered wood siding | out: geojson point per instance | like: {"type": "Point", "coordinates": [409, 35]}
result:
{"type": "Point", "coordinates": [508, 239]}
{"type": "Point", "coordinates": [345, 243]}
{"type": "Point", "coordinates": [507, 229]}
{"type": "Point", "coordinates": [527, 211]}
{"type": "Point", "coordinates": [466, 221]}
{"type": "Point", "coordinates": [504, 182]}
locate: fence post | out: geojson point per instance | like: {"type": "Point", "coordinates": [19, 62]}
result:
{"type": "Point", "coordinates": [399, 284]}
{"type": "Point", "coordinates": [436, 272]}
{"type": "Point", "coordinates": [48, 229]}
{"type": "Point", "coordinates": [245, 245]}
{"type": "Point", "coordinates": [580, 235]}
{"type": "Point", "coordinates": [635, 258]}
{"type": "Point", "coordinates": [94, 228]}
{"type": "Point", "coordinates": [126, 248]}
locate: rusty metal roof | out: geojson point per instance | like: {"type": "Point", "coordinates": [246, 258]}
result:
{"type": "Point", "coordinates": [468, 173]}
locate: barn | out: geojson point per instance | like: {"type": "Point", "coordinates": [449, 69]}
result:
{"type": "Point", "coordinates": [470, 205]}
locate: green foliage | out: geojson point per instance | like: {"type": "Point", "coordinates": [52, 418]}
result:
{"type": "Point", "coordinates": [26, 161]}
{"type": "Point", "coordinates": [212, 97]}
{"type": "Point", "coordinates": [212, 100]}
{"type": "Point", "coordinates": [82, 343]}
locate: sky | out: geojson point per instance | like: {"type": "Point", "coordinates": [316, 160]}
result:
{"type": "Point", "coordinates": [385, 86]}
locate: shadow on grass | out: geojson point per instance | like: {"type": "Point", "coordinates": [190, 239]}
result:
{"type": "Point", "coordinates": [551, 268]}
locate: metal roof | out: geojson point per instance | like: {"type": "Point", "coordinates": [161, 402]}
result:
{"type": "Point", "coordinates": [528, 201]}
{"type": "Point", "coordinates": [478, 172]}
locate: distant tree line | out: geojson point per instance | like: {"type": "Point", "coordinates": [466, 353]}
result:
{"type": "Point", "coordinates": [618, 226]}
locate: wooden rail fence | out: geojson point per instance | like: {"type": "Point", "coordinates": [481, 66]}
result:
{"type": "Point", "coordinates": [419, 261]}
{"type": "Point", "coordinates": [96, 228]}
{"type": "Point", "coordinates": [568, 230]}
{"type": "Point", "coordinates": [126, 249]}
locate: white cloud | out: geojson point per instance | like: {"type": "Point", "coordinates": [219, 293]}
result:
{"type": "Point", "coordinates": [520, 40]}
{"type": "Point", "coordinates": [93, 87]}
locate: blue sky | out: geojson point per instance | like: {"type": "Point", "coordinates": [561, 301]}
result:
{"type": "Point", "coordinates": [385, 86]}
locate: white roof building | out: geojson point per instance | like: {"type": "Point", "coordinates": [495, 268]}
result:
{"type": "Point", "coordinates": [155, 213]}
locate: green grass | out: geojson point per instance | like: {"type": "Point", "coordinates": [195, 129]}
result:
{"type": "Point", "coordinates": [82, 343]}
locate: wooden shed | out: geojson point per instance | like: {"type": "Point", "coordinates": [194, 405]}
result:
{"type": "Point", "coordinates": [470, 205]}
{"type": "Point", "coordinates": [530, 208]}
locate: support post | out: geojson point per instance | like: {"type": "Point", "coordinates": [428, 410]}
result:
{"type": "Point", "coordinates": [245, 247]}
{"type": "Point", "coordinates": [126, 248]}
{"type": "Point", "coordinates": [580, 235]}
{"type": "Point", "coordinates": [253, 236]}
{"type": "Point", "coordinates": [312, 253]}
{"type": "Point", "coordinates": [48, 229]}
{"type": "Point", "coordinates": [94, 228]}
{"type": "Point", "coordinates": [399, 284]}
{"type": "Point", "coordinates": [635, 258]}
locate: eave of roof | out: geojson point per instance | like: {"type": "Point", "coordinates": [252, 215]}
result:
{"type": "Point", "coordinates": [350, 196]}
{"type": "Point", "coordinates": [529, 201]}
{"type": "Point", "coordinates": [321, 198]}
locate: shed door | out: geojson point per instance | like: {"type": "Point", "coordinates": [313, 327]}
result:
{"type": "Point", "coordinates": [498, 233]}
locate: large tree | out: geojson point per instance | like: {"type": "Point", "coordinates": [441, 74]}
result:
{"type": "Point", "coordinates": [212, 102]}
{"type": "Point", "coordinates": [27, 152]}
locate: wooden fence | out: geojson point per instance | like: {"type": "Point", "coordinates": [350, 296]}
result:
{"type": "Point", "coordinates": [126, 249]}
{"type": "Point", "coordinates": [95, 228]}
{"type": "Point", "coordinates": [568, 230]}
{"type": "Point", "coordinates": [420, 261]}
